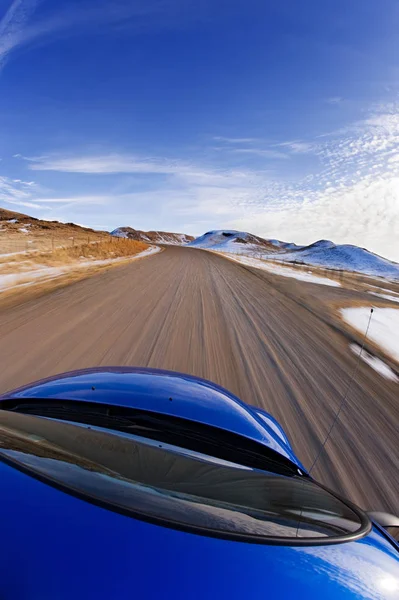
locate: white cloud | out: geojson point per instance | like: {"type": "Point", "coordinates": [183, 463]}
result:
{"type": "Point", "coordinates": [353, 198]}
{"type": "Point", "coordinates": [352, 195]}
{"type": "Point", "coordinates": [17, 29]}
{"type": "Point", "coordinates": [12, 25]}
{"type": "Point", "coordinates": [25, 204]}
{"type": "Point", "coordinates": [365, 214]}
{"type": "Point", "coordinates": [131, 164]}
{"type": "Point", "coordinates": [100, 200]}
{"type": "Point", "coordinates": [23, 157]}
{"type": "Point", "coordinates": [230, 140]}
{"type": "Point", "coordinates": [261, 152]}
{"type": "Point", "coordinates": [107, 164]}
{"type": "Point", "coordinates": [17, 193]}
{"type": "Point", "coordinates": [10, 190]}
{"type": "Point", "coordinates": [298, 147]}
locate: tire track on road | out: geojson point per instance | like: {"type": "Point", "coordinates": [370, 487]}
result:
{"type": "Point", "coordinates": [263, 339]}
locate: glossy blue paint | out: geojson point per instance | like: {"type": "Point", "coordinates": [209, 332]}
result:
{"type": "Point", "coordinates": [54, 545]}
{"type": "Point", "coordinates": [192, 398]}
{"type": "Point", "coordinates": [274, 424]}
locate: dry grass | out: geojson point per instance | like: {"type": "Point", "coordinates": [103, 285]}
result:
{"type": "Point", "coordinates": [20, 295]}
{"type": "Point", "coordinates": [22, 233]}
{"type": "Point", "coordinates": [74, 264]}
{"type": "Point", "coordinates": [102, 250]}
{"type": "Point", "coordinates": [66, 256]}
{"type": "Point", "coordinates": [42, 241]}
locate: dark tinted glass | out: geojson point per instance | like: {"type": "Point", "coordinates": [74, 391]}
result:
{"type": "Point", "coordinates": [172, 486]}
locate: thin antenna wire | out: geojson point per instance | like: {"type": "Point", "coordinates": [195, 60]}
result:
{"type": "Point", "coordinates": [345, 395]}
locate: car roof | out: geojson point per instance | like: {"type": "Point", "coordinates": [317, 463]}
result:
{"type": "Point", "coordinates": [165, 392]}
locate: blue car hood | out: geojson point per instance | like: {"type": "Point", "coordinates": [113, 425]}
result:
{"type": "Point", "coordinates": [165, 392]}
{"type": "Point", "coordinates": [56, 546]}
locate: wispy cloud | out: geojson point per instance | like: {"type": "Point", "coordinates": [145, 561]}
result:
{"type": "Point", "coordinates": [267, 149]}
{"type": "Point", "coordinates": [23, 157]}
{"type": "Point", "coordinates": [18, 29]}
{"type": "Point", "coordinates": [261, 152]}
{"type": "Point", "coordinates": [297, 147]}
{"type": "Point", "coordinates": [13, 190]}
{"type": "Point", "coordinates": [194, 174]}
{"type": "Point", "coordinates": [105, 164]}
{"type": "Point", "coordinates": [352, 195]}
{"type": "Point", "coordinates": [12, 25]}
{"type": "Point", "coordinates": [83, 200]}
{"type": "Point", "coordinates": [231, 140]}
{"type": "Point", "coordinates": [18, 193]}
{"type": "Point", "coordinates": [352, 198]}
{"type": "Point", "coordinates": [25, 204]}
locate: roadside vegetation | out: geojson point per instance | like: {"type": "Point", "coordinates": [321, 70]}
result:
{"type": "Point", "coordinates": [25, 273]}
{"type": "Point", "coordinates": [110, 248]}
{"type": "Point", "coordinates": [102, 250]}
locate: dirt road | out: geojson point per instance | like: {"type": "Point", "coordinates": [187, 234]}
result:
{"type": "Point", "coordinates": [266, 339]}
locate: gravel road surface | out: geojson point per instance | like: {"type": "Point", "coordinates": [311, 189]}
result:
{"type": "Point", "coordinates": [272, 341]}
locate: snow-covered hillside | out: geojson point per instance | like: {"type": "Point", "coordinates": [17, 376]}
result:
{"type": "Point", "coordinates": [323, 253]}
{"type": "Point", "coordinates": [345, 256]}
{"type": "Point", "coordinates": [237, 242]}
{"type": "Point", "coordinates": [152, 237]}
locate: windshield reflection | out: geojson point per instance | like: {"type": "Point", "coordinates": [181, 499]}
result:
{"type": "Point", "coordinates": [165, 483]}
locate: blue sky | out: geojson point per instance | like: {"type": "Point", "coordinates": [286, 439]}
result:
{"type": "Point", "coordinates": [280, 118]}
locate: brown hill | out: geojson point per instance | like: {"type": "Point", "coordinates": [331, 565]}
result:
{"type": "Point", "coordinates": [20, 232]}
{"type": "Point", "coordinates": [154, 237]}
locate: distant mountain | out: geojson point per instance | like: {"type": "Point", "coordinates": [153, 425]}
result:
{"type": "Point", "coordinates": [14, 223]}
{"type": "Point", "coordinates": [323, 253]}
{"type": "Point", "coordinates": [10, 220]}
{"type": "Point", "coordinates": [230, 240]}
{"type": "Point", "coordinates": [22, 233]}
{"type": "Point", "coordinates": [153, 237]}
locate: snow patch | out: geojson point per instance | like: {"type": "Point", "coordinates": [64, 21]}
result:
{"type": "Point", "coordinates": [12, 253]}
{"type": "Point", "coordinates": [42, 273]}
{"type": "Point", "coordinates": [343, 257]}
{"type": "Point", "coordinates": [23, 230]}
{"type": "Point", "coordinates": [283, 271]}
{"type": "Point", "coordinates": [152, 250]}
{"type": "Point", "coordinates": [231, 241]}
{"type": "Point", "coordinates": [119, 233]}
{"type": "Point", "coordinates": [384, 327]}
{"type": "Point", "coordinates": [15, 279]}
{"type": "Point", "coordinates": [155, 237]}
{"type": "Point", "coordinates": [110, 261]}
{"type": "Point", "coordinates": [223, 239]}
{"type": "Point", "coordinates": [323, 253]}
{"type": "Point", "coordinates": [386, 296]}
{"type": "Point", "coordinates": [375, 363]}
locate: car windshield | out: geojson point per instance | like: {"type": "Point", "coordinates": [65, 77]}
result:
{"type": "Point", "coordinates": [173, 486]}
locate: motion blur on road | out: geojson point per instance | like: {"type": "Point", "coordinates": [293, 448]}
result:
{"type": "Point", "coordinates": [277, 343]}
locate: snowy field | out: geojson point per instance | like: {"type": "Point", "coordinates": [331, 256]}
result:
{"type": "Point", "coordinates": [42, 274]}
{"type": "Point", "coordinates": [375, 363]}
{"type": "Point", "coordinates": [384, 327]}
{"type": "Point", "coordinates": [283, 271]}
{"type": "Point", "coordinates": [386, 296]}
{"type": "Point", "coordinates": [323, 253]}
